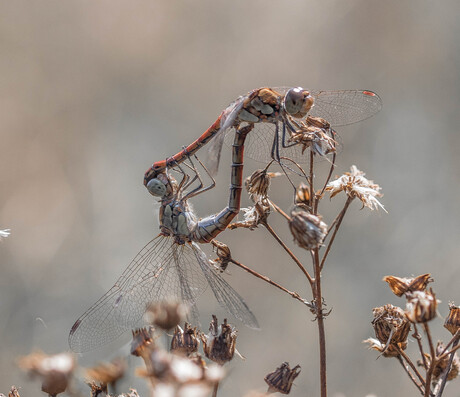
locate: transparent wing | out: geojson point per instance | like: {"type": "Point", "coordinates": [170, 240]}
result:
{"type": "Point", "coordinates": [160, 271]}
{"type": "Point", "coordinates": [345, 107]}
{"type": "Point", "coordinates": [227, 297]}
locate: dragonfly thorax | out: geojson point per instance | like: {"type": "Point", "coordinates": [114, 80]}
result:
{"type": "Point", "coordinates": [176, 221]}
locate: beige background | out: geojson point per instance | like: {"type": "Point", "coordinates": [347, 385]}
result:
{"type": "Point", "coordinates": [91, 93]}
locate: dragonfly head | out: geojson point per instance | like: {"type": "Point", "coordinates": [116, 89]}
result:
{"type": "Point", "coordinates": [298, 102]}
{"type": "Point", "coordinates": [156, 187]}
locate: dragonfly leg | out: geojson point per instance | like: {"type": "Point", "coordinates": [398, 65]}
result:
{"type": "Point", "coordinates": [284, 140]}
{"type": "Point", "coordinates": [202, 189]}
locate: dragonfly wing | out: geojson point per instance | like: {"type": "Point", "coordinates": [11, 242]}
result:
{"type": "Point", "coordinates": [227, 297]}
{"type": "Point", "coordinates": [228, 118]}
{"type": "Point", "coordinates": [346, 106]}
{"type": "Point", "coordinates": [155, 274]}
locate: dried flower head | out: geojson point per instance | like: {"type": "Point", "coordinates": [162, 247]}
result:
{"type": "Point", "coordinates": [165, 315]}
{"type": "Point", "coordinates": [390, 325]}
{"type": "Point", "coordinates": [307, 229]}
{"type": "Point", "coordinates": [4, 233]}
{"type": "Point", "coordinates": [14, 392]}
{"type": "Point", "coordinates": [452, 323]}
{"type": "Point", "coordinates": [421, 306]}
{"type": "Point", "coordinates": [107, 373]}
{"type": "Point", "coordinates": [355, 185]}
{"type": "Point", "coordinates": [258, 183]}
{"type": "Point", "coordinates": [402, 285]}
{"type": "Point", "coordinates": [220, 344]}
{"type": "Point", "coordinates": [142, 343]}
{"type": "Point", "coordinates": [253, 216]}
{"type": "Point", "coordinates": [185, 341]}
{"type": "Point", "coordinates": [97, 390]}
{"type": "Point", "coordinates": [390, 351]}
{"type": "Point", "coordinates": [55, 371]}
{"type": "Point", "coordinates": [442, 364]}
{"type": "Point", "coordinates": [302, 195]}
{"type": "Point", "coordinates": [282, 378]}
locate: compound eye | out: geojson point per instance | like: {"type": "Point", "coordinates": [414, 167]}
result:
{"type": "Point", "coordinates": [156, 187]}
{"type": "Point", "coordinates": [298, 102]}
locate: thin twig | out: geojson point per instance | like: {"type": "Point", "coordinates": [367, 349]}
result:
{"type": "Point", "coordinates": [214, 391]}
{"type": "Point", "coordinates": [337, 226]}
{"type": "Point", "coordinates": [411, 364]}
{"type": "Point", "coordinates": [445, 374]}
{"type": "Point", "coordinates": [454, 338]}
{"type": "Point", "coordinates": [417, 336]}
{"type": "Point", "coordinates": [411, 376]}
{"type": "Point", "coordinates": [279, 210]}
{"type": "Point", "coordinates": [453, 350]}
{"type": "Point", "coordinates": [312, 191]}
{"type": "Point", "coordinates": [433, 361]}
{"type": "Point", "coordinates": [294, 258]}
{"type": "Point", "coordinates": [331, 170]}
{"type": "Point", "coordinates": [295, 295]}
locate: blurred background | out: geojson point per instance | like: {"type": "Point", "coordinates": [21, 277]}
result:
{"type": "Point", "coordinates": [91, 93]}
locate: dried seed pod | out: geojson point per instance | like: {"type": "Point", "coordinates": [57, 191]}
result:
{"type": "Point", "coordinates": [421, 306]}
{"type": "Point", "coordinates": [307, 229]}
{"type": "Point", "coordinates": [185, 341]}
{"type": "Point", "coordinates": [442, 364]}
{"type": "Point", "coordinates": [142, 343]}
{"type": "Point", "coordinates": [390, 351]}
{"type": "Point", "coordinates": [257, 184]}
{"type": "Point", "coordinates": [302, 195]}
{"type": "Point", "coordinates": [13, 392]}
{"type": "Point", "coordinates": [55, 371]}
{"type": "Point", "coordinates": [220, 344]}
{"type": "Point", "coordinates": [452, 323]}
{"type": "Point", "coordinates": [282, 378]}
{"type": "Point", "coordinates": [165, 315]}
{"type": "Point", "coordinates": [390, 325]}
{"type": "Point", "coordinates": [107, 373]}
{"type": "Point", "coordinates": [401, 285]}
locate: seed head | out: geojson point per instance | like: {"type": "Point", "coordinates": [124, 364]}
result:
{"type": "Point", "coordinates": [391, 325]}
{"type": "Point", "coordinates": [442, 364]}
{"type": "Point", "coordinates": [421, 306]}
{"type": "Point", "coordinates": [165, 315]}
{"type": "Point", "coordinates": [142, 343]}
{"type": "Point", "coordinates": [220, 344]}
{"type": "Point", "coordinates": [282, 378]}
{"type": "Point", "coordinates": [185, 341]}
{"type": "Point", "coordinates": [400, 286]}
{"type": "Point", "coordinates": [257, 184]}
{"type": "Point", "coordinates": [452, 323]}
{"type": "Point", "coordinates": [55, 371]}
{"type": "Point", "coordinates": [107, 373]}
{"type": "Point", "coordinates": [302, 196]}
{"type": "Point", "coordinates": [387, 351]}
{"type": "Point", "coordinates": [307, 229]}
{"type": "Point", "coordinates": [355, 185]}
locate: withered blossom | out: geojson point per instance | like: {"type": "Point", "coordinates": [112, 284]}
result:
{"type": "Point", "coordinates": [391, 325]}
{"type": "Point", "coordinates": [302, 195]}
{"type": "Point", "coordinates": [421, 306]}
{"type": "Point", "coordinates": [12, 393]}
{"type": "Point", "coordinates": [390, 351]}
{"type": "Point", "coordinates": [142, 343]}
{"type": "Point", "coordinates": [452, 322]}
{"type": "Point", "coordinates": [220, 344]}
{"type": "Point", "coordinates": [253, 216]}
{"type": "Point", "coordinates": [185, 341]}
{"type": "Point", "coordinates": [282, 378]}
{"type": "Point", "coordinates": [4, 233]}
{"type": "Point", "coordinates": [97, 390]}
{"type": "Point", "coordinates": [258, 184]}
{"type": "Point", "coordinates": [442, 364]}
{"type": "Point", "coordinates": [401, 285]}
{"type": "Point", "coordinates": [355, 185]}
{"type": "Point", "coordinates": [55, 371]}
{"type": "Point", "coordinates": [107, 373]}
{"type": "Point", "coordinates": [307, 229]}
{"type": "Point", "coordinates": [165, 315]}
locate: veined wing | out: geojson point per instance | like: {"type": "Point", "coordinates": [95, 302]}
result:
{"type": "Point", "coordinates": [160, 271]}
{"type": "Point", "coordinates": [346, 106]}
{"type": "Point", "coordinates": [227, 297]}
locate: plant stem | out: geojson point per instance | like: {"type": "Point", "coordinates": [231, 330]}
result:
{"type": "Point", "coordinates": [294, 258]}
{"type": "Point", "coordinates": [295, 295]}
{"type": "Point", "coordinates": [339, 220]}
{"type": "Point", "coordinates": [214, 391]}
{"type": "Point", "coordinates": [417, 336]}
{"type": "Point", "coordinates": [411, 364]}
{"type": "Point", "coordinates": [411, 376]}
{"type": "Point", "coordinates": [433, 361]}
{"type": "Point", "coordinates": [445, 374]}
{"type": "Point", "coordinates": [320, 321]}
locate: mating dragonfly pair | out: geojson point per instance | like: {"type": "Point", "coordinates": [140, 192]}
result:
{"type": "Point", "coordinates": [276, 124]}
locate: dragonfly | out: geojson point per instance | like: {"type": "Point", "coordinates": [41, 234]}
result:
{"type": "Point", "coordinates": [285, 121]}
{"type": "Point", "coordinates": [172, 266]}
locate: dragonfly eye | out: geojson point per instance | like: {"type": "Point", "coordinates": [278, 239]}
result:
{"type": "Point", "coordinates": [156, 187]}
{"type": "Point", "coordinates": [298, 102]}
